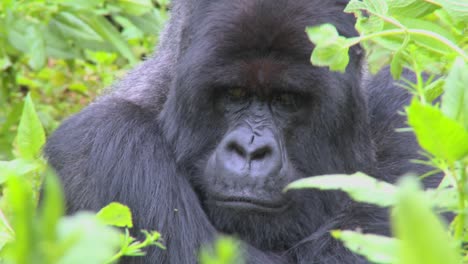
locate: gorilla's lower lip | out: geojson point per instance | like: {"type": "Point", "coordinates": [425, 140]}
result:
{"type": "Point", "coordinates": [243, 204]}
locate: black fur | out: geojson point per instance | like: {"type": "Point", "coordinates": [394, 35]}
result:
{"type": "Point", "coordinates": [153, 142]}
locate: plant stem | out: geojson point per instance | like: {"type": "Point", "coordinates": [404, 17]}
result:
{"type": "Point", "coordinates": [419, 32]}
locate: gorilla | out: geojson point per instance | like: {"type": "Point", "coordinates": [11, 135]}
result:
{"type": "Point", "coordinates": [201, 139]}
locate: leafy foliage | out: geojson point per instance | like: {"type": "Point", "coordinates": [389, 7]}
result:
{"type": "Point", "coordinates": [45, 235]}
{"type": "Point", "coordinates": [63, 52]}
{"type": "Point", "coordinates": [429, 38]}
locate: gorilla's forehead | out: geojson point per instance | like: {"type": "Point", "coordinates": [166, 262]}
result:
{"type": "Point", "coordinates": [264, 26]}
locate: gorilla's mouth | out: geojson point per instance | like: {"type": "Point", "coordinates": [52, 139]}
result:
{"type": "Point", "coordinates": [248, 204]}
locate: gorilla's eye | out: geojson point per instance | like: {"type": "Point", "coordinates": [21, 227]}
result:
{"type": "Point", "coordinates": [288, 100]}
{"type": "Point", "coordinates": [237, 93]}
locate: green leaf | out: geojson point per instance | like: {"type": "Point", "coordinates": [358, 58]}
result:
{"type": "Point", "coordinates": [73, 26]}
{"type": "Point", "coordinates": [135, 7]}
{"type": "Point", "coordinates": [455, 98]}
{"type": "Point", "coordinates": [31, 136]}
{"type": "Point", "coordinates": [434, 90]}
{"type": "Point", "coordinates": [107, 31]}
{"type": "Point", "coordinates": [376, 248]}
{"type": "Point", "coordinates": [334, 55]}
{"type": "Point", "coordinates": [226, 250]}
{"type": "Point", "coordinates": [20, 201]}
{"type": "Point", "coordinates": [17, 167]}
{"type": "Point", "coordinates": [396, 66]}
{"type": "Point", "coordinates": [82, 4]}
{"type": "Point", "coordinates": [439, 135]}
{"type": "Point", "coordinates": [37, 51]}
{"type": "Point", "coordinates": [359, 186]}
{"type": "Point", "coordinates": [423, 237]}
{"type": "Point", "coordinates": [322, 34]}
{"type": "Point", "coordinates": [116, 214]}
{"type": "Point", "coordinates": [456, 9]}
{"type": "Point", "coordinates": [52, 207]}
{"type": "Point", "coordinates": [86, 240]}
{"type": "Point", "coordinates": [330, 48]}
{"type": "Point", "coordinates": [411, 8]}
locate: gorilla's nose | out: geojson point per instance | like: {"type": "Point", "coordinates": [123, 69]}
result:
{"type": "Point", "coordinates": [244, 153]}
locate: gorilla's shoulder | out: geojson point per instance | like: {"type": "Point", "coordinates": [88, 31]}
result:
{"type": "Point", "coordinates": [108, 122]}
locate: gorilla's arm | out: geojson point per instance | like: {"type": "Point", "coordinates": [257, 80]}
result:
{"type": "Point", "coordinates": [113, 151]}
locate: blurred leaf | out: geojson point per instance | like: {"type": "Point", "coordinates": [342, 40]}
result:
{"type": "Point", "coordinates": [455, 98]}
{"type": "Point", "coordinates": [359, 186]}
{"type": "Point", "coordinates": [37, 52]}
{"type": "Point", "coordinates": [82, 4]}
{"type": "Point", "coordinates": [17, 33]}
{"type": "Point", "coordinates": [87, 239]}
{"type": "Point", "coordinates": [411, 8]}
{"type": "Point", "coordinates": [377, 249]}
{"type": "Point", "coordinates": [226, 251]}
{"type": "Point", "coordinates": [436, 133]}
{"type": "Point", "coordinates": [19, 196]}
{"type": "Point", "coordinates": [17, 167]}
{"type": "Point", "coordinates": [434, 90]}
{"type": "Point", "coordinates": [108, 32]}
{"type": "Point", "coordinates": [52, 207]}
{"type": "Point", "coordinates": [116, 214]}
{"type": "Point", "coordinates": [31, 136]}
{"type": "Point", "coordinates": [73, 26]}
{"type": "Point", "coordinates": [456, 9]}
{"type": "Point", "coordinates": [423, 238]}
{"type": "Point", "coordinates": [135, 7]}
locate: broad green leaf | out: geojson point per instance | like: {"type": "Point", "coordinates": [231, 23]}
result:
{"type": "Point", "coordinates": [17, 167]}
{"type": "Point", "coordinates": [411, 8]}
{"type": "Point", "coordinates": [439, 135]}
{"type": "Point", "coordinates": [325, 33]}
{"type": "Point", "coordinates": [116, 214]}
{"type": "Point", "coordinates": [423, 237]}
{"type": "Point", "coordinates": [373, 6]}
{"type": "Point", "coordinates": [17, 33]}
{"type": "Point", "coordinates": [376, 248]}
{"type": "Point", "coordinates": [355, 6]}
{"type": "Point", "coordinates": [330, 49]}
{"type": "Point", "coordinates": [86, 239]}
{"type": "Point", "coordinates": [31, 136]}
{"type": "Point", "coordinates": [107, 31]}
{"type": "Point", "coordinates": [148, 23]}
{"type": "Point", "coordinates": [82, 4]}
{"type": "Point", "coordinates": [57, 45]}
{"type": "Point", "coordinates": [455, 98]}
{"type": "Point", "coordinates": [73, 26]}
{"type": "Point", "coordinates": [135, 7]}
{"type": "Point", "coordinates": [225, 250]}
{"type": "Point", "coordinates": [443, 198]}
{"type": "Point", "coordinates": [52, 207]}
{"type": "Point", "coordinates": [37, 50]}
{"type": "Point", "coordinates": [456, 9]}
{"type": "Point", "coordinates": [334, 55]}
{"type": "Point", "coordinates": [359, 186]}
{"type": "Point", "coordinates": [19, 198]}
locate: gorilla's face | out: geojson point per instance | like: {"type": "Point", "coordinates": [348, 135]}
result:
{"type": "Point", "coordinates": [250, 114]}
{"type": "Point", "coordinates": [250, 165]}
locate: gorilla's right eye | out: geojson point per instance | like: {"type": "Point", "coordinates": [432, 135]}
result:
{"type": "Point", "coordinates": [237, 93]}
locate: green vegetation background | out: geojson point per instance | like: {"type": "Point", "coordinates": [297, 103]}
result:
{"type": "Point", "coordinates": [65, 52]}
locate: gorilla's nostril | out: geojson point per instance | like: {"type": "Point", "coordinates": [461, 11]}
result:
{"type": "Point", "coordinates": [261, 153]}
{"type": "Point", "coordinates": [234, 147]}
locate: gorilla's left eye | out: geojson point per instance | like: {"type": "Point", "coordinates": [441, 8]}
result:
{"type": "Point", "coordinates": [237, 93]}
{"type": "Point", "coordinates": [288, 99]}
